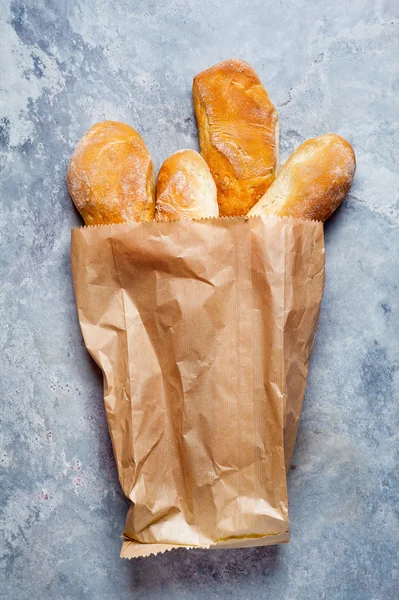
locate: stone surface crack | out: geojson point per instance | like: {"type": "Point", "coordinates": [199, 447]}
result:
{"type": "Point", "coordinates": [317, 60]}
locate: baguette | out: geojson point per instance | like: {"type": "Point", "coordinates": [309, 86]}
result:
{"type": "Point", "coordinates": [111, 176]}
{"type": "Point", "coordinates": [313, 182]}
{"type": "Point", "coordinates": [238, 133]}
{"type": "Point", "coordinates": [185, 188]}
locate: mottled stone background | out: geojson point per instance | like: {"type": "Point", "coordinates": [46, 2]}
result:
{"type": "Point", "coordinates": [329, 66]}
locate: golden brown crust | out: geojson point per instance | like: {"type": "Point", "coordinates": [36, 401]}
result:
{"type": "Point", "coordinates": [238, 133]}
{"type": "Point", "coordinates": [313, 182]}
{"type": "Point", "coordinates": [185, 188]}
{"type": "Point", "coordinates": [111, 176]}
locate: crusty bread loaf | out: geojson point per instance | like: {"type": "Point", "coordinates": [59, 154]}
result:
{"type": "Point", "coordinates": [111, 176]}
{"type": "Point", "coordinates": [185, 188]}
{"type": "Point", "coordinates": [238, 133]}
{"type": "Point", "coordinates": [313, 182]}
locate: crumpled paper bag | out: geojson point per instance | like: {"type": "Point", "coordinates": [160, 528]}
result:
{"type": "Point", "coordinates": [203, 331]}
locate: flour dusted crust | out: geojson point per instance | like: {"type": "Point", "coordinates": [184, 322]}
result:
{"type": "Point", "coordinates": [185, 188]}
{"type": "Point", "coordinates": [111, 176]}
{"type": "Point", "coordinates": [239, 133]}
{"type": "Point", "coordinates": [313, 182]}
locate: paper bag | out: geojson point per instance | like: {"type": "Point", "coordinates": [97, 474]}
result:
{"type": "Point", "coordinates": [203, 331]}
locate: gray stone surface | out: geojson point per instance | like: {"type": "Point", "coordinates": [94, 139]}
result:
{"type": "Point", "coordinates": [329, 66]}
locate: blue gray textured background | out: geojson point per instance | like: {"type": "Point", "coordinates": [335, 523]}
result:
{"type": "Point", "coordinates": [329, 66]}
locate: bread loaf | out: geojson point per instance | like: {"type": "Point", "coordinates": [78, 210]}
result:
{"type": "Point", "coordinates": [238, 132]}
{"type": "Point", "coordinates": [313, 182]}
{"type": "Point", "coordinates": [185, 188]}
{"type": "Point", "coordinates": [111, 176]}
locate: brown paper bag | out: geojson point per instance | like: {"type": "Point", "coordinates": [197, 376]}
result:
{"type": "Point", "coordinates": [203, 331]}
